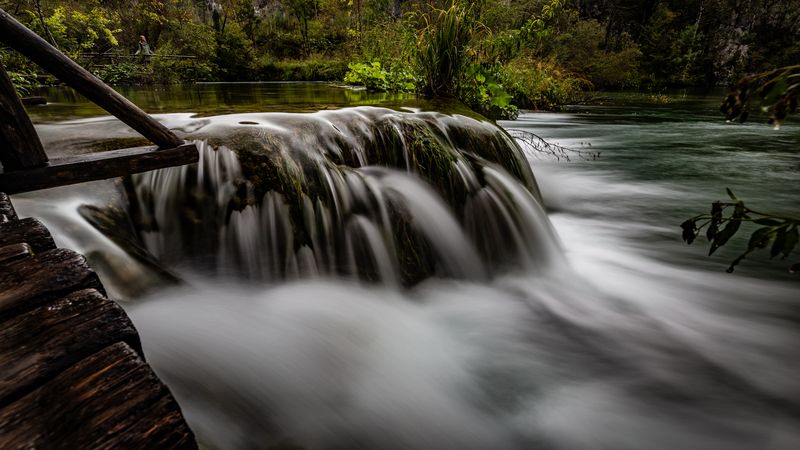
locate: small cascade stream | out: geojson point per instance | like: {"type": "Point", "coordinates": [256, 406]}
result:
{"type": "Point", "coordinates": [367, 278]}
{"type": "Point", "coordinates": [347, 200]}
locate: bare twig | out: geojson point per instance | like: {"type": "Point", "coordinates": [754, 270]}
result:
{"type": "Point", "coordinates": [536, 146]}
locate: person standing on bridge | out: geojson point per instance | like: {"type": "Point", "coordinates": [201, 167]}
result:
{"type": "Point", "coordinates": [143, 52]}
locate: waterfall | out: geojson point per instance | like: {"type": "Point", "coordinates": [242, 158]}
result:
{"type": "Point", "coordinates": [363, 193]}
{"type": "Point", "coordinates": [407, 291]}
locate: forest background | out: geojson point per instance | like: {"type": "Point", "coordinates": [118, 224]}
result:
{"type": "Point", "coordinates": [527, 53]}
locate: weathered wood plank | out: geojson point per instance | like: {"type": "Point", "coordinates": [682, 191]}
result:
{"type": "Point", "coordinates": [30, 282]}
{"type": "Point", "coordinates": [20, 147]}
{"type": "Point", "coordinates": [28, 230]}
{"type": "Point", "coordinates": [96, 166]}
{"type": "Point", "coordinates": [14, 252]}
{"type": "Point", "coordinates": [6, 208]}
{"type": "Point", "coordinates": [110, 400]}
{"type": "Point", "coordinates": [25, 41]}
{"type": "Point", "coordinates": [40, 344]}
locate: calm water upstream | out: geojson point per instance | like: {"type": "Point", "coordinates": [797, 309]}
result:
{"type": "Point", "coordinates": [413, 313]}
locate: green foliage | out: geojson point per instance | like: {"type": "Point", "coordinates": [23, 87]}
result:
{"type": "Point", "coordinates": [777, 91]}
{"type": "Point", "coordinates": [726, 219]}
{"type": "Point", "coordinates": [443, 45]}
{"type": "Point", "coordinates": [235, 58]}
{"type": "Point", "coordinates": [120, 73]}
{"type": "Point", "coordinates": [482, 91]}
{"type": "Point", "coordinates": [447, 61]}
{"type": "Point", "coordinates": [24, 82]}
{"type": "Point", "coordinates": [77, 30]}
{"type": "Point", "coordinates": [537, 84]}
{"type": "Point", "coordinates": [537, 27]}
{"type": "Point", "coordinates": [377, 78]}
{"type": "Point", "coordinates": [672, 49]}
{"type": "Point", "coordinates": [312, 69]}
{"type": "Point", "coordinates": [609, 44]}
{"type": "Point", "coordinates": [581, 50]}
{"type": "Point", "coordinates": [169, 70]}
{"type": "Point", "coordinates": [392, 41]}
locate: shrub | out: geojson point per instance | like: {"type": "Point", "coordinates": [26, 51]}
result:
{"type": "Point", "coordinates": [234, 59]}
{"type": "Point", "coordinates": [304, 70]}
{"type": "Point", "coordinates": [24, 82]}
{"type": "Point", "coordinates": [166, 69]}
{"type": "Point", "coordinates": [582, 51]}
{"type": "Point", "coordinates": [78, 31]}
{"type": "Point", "coordinates": [121, 73]}
{"type": "Point", "coordinates": [186, 38]}
{"type": "Point", "coordinates": [379, 79]}
{"type": "Point", "coordinates": [482, 91]}
{"type": "Point", "coordinates": [538, 84]}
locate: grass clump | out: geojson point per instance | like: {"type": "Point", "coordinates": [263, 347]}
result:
{"type": "Point", "coordinates": [537, 84]}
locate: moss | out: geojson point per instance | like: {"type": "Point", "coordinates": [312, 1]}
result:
{"type": "Point", "coordinates": [296, 160]}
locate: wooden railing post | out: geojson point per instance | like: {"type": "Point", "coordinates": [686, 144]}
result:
{"type": "Point", "coordinates": [25, 41]}
{"type": "Point", "coordinates": [20, 147]}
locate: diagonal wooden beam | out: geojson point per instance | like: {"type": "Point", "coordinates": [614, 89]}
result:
{"type": "Point", "coordinates": [20, 146]}
{"type": "Point", "coordinates": [25, 41]}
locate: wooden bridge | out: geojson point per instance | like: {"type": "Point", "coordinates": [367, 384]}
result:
{"type": "Point", "coordinates": [72, 371]}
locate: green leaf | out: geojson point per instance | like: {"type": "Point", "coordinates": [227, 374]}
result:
{"type": "Point", "coordinates": [791, 241]}
{"type": "Point", "coordinates": [760, 238]}
{"type": "Point", "coordinates": [730, 229]}
{"type": "Point", "coordinates": [780, 241]}
{"type": "Point", "coordinates": [774, 92]}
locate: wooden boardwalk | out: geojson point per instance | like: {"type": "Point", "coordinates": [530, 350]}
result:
{"type": "Point", "coordinates": [72, 372]}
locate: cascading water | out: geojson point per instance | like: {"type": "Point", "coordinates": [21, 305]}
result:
{"type": "Point", "coordinates": [374, 279]}
{"type": "Point", "coordinates": [347, 198]}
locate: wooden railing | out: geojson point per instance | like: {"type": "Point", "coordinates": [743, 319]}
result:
{"type": "Point", "coordinates": [26, 165]}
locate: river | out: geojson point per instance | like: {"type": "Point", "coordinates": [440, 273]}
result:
{"type": "Point", "coordinates": [590, 326]}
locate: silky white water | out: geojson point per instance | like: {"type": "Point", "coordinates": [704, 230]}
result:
{"type": "Point", "coordinates": [577, 331]}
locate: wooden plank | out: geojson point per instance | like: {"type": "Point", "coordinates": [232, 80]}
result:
{"type": "Point", "coordinates": [40, 344]}
{"type": "Point", "coordinates": [6, 208]}
{"type": "Point", "coordinates": [30, 282]}
{"type": "Point", "coordinates": [28, 230]}
{"type": "Point", "coordinates": [96, 166]}
{"type": "Point", "coordinates": [25, 41]}
{"type": "Point", "coordinates": [14, 252]}
{"type": "Point", "coordinates": [110, 400]}
{"type": "Point", "coordinates": [20, 147]}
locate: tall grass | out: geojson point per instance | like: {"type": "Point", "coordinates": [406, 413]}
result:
{"type": "Point", "coordinates": [443, 49]}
